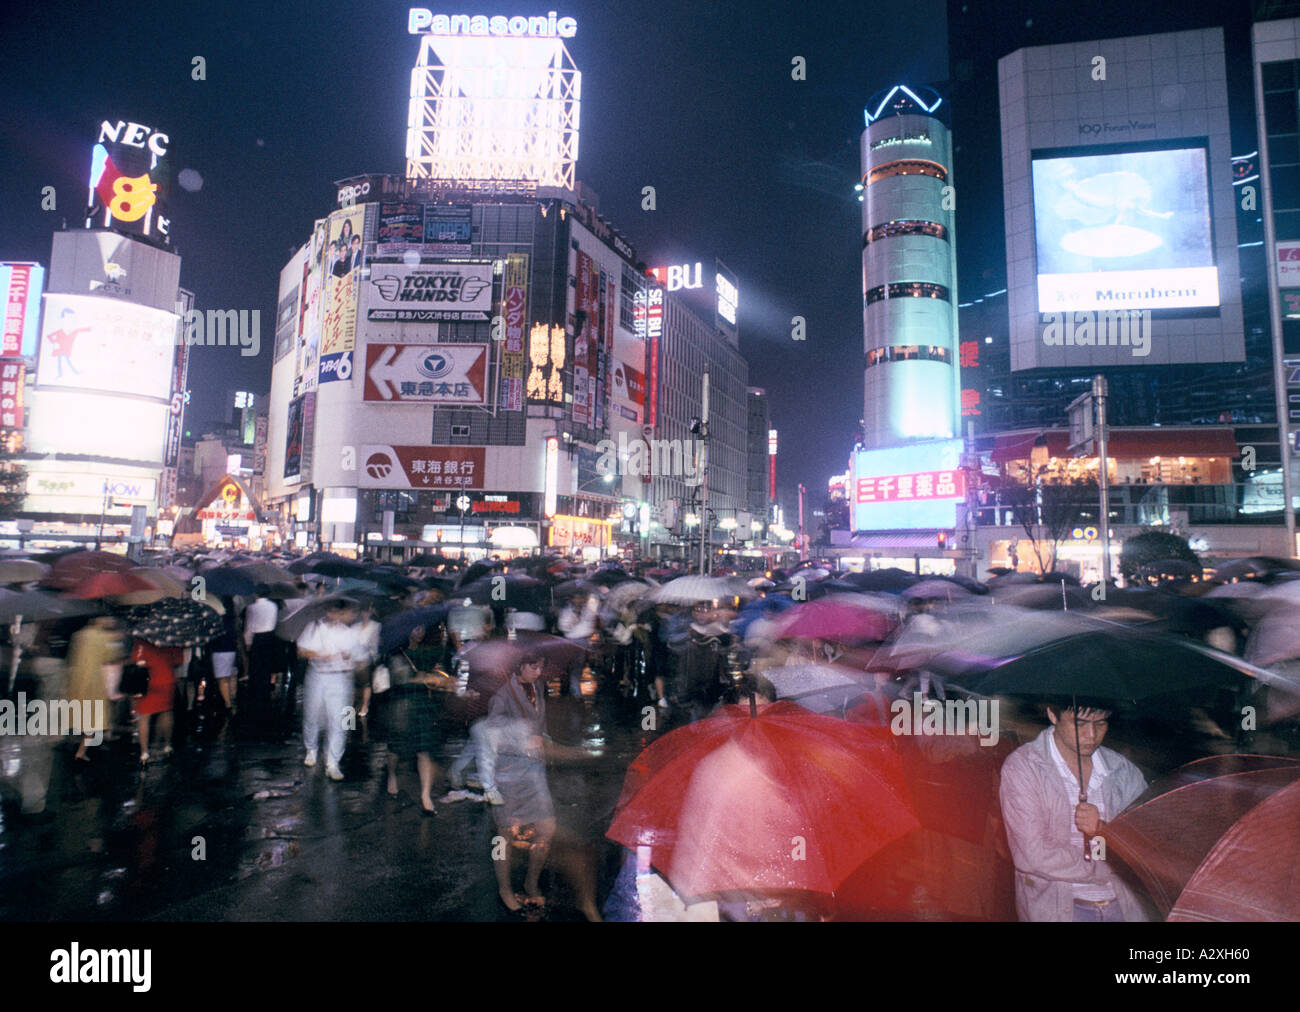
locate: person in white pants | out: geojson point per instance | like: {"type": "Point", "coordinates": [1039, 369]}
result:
{"type": "Point", "coordinates": [333, 647]}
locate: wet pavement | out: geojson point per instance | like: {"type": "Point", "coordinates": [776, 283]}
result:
{"type": "Point", "coordinates": [234, 828]}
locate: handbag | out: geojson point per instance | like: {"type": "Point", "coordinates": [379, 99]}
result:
{"type": "Point", "coordinates": [383, 680]}
{"type": "Point", "coordinates": [135, 679]}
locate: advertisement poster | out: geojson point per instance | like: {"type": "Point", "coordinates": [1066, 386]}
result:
{"type": "Point", "coordinates": [431, 467]}
{"type": "Point", "coordinates": [342, 271]}
{"type": "Point", "coordinates": [426, 373]}
{"type": "Point", "coordinates": [310, 310]}
{"type": "Point", "coordinates": [514, 310]}
{"type": "Point", "coordinates": [1128, 230]}
{"type": "Point", "coordinates": [401, 223]}
{"type": "Point", "coordinates": [430, 292]}
{"type": "Point", "coordinates": [448, 229]}
{"type": "Point", "coordinates": [298, 440]}
{"type": "Point", "coordinates": [97, 344]}
{"type": "Point", "coordinates": [586, 331]}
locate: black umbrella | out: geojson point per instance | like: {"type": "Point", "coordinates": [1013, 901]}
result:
{"type": "Point", "coordinates": [425, 560]}
{"type": "Point", "coordinates": [396, 630]}
{"type": "Point", "coordinates": [506, 589]}
{"type": "Point", "coordinates": [307, 562]}
{"type": "Point", "coordinates": [1258, 567]}
{"type": "Point", "coordinates": [38, 606]}
{"type": "Point", "coordinates": [226, 581]}
{"type": "Point", "coordinates": [609, 577]}
{"type": "Point", "coordinates": [476, 572]}
{"type": "Point", "coordinates": [891, 581]}
{"type": "Point", "coordinates": [1098, 661]}
{"type": "Point", "coordinates": [291, 626]}
{"type": "Point", "coordinates": [340, 569]}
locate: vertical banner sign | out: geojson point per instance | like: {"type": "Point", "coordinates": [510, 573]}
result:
{"type": "Point", "coordinates": [17, 297]}
{"type": "Point", "coordinates": [652, 381]}
{"type": "Point", "coordinates": [607, 365]}
{"type": "Point", "coordinates": [581, 337]}
{"type": "Point", "coordinates": [13, 375]}
{"type": "Point", "coordinates": [598, 377]}
{"type": "Point", "coordinates": [343, 263]}
{"type": "Point", "coordinates": [514, 310]}
{"type": "Point", "coordinates": [310, 309]}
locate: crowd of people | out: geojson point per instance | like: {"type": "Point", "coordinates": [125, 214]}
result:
{"type": "Point", "coordinates": [448, 670]}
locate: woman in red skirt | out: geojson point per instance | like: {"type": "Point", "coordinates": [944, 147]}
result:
{"type": "Point", "coordinates": [162, 663]}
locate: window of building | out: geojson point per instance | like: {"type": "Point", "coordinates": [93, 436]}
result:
{"type": "Point", "coordinates": [1280, 114]}
{"type": "Point", "coordinates": [908, 167]}
{"type": "Point", "coordinates": [909, 226]}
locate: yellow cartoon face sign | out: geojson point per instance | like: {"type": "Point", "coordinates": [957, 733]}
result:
{"type": "Point", "coordinates": [230, 494]}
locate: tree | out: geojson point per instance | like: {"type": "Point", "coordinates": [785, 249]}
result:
{"type": "Point", "coordinates": [1153, 546]}
{"type": "Point", "coordinates": [1049, 512]}
{"type": "Point", "coordinates": [13, 480]}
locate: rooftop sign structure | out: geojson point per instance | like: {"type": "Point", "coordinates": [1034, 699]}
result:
{"type": "Point", "coordinates": [493, 98]}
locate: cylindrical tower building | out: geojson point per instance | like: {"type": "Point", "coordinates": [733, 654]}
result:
{"type": "Point", "coordinates": [909, 271]}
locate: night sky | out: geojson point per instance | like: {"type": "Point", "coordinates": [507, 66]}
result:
{"type": "Point", "coordinates": [693, 98]}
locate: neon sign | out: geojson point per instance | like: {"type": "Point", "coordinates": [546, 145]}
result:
{"type": "Point", "coordinates": [422, 21]}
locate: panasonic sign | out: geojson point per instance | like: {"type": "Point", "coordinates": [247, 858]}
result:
{"type": "Point", "coordinates": [422, 21]}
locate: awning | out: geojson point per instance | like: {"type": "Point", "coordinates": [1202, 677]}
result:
{"type": "Point", "coordinates": [1200, 441]}
{"type": "Point", "coordinates": [911, 541]}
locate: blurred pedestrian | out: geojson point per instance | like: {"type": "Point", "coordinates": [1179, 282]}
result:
{"type": "Point", "coordinates": [527, 816]}
{"type": "Point", "coordinates": [368, 629]}
{"type": "Point", "coordinates": [332, 647]}
{"type": "Point", "coordinates": [225, 654]}
{"type": "Point", "coordinates": [160, 699]}
{"type": "Point", "coordinates": [265, 651]}
{"type": "Point", "coordinates": [90, 650]}
{"type": "Point", "coordinates": [412, 713]}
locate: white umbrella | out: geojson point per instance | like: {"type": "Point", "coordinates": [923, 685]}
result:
{"type": "Point", "coordinates": [694, 589]}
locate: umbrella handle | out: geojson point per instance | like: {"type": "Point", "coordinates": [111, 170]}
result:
{"type": "Point", "coordinates": [1087, 850]}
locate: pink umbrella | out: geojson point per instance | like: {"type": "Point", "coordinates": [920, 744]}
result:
{"type": "Point", "coordinates": [837, 621]}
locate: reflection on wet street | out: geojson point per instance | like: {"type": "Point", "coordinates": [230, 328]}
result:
{"type": "Point", "coordinates": [235, 828]}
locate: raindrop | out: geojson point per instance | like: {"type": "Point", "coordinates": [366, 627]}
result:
{"type": "Point", "coordinates": [261, 143]}
{"type": "Point", "coordinates": [190, 180]}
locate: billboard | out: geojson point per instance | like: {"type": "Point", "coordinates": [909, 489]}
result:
{"type": "Point", "coordinates": [343, 260]}
{"type": "Point", "coordinates": [426, 373]}
{"type": "Point", "coordinates": [1124, 230]}
{"type": "Point", "coordinates": [98, 344]}
{"type": "Point", "coordinates": [299, 433]}
{"type": "Point", "coordinates": [430, 292]}
{"type": "Point", "coordinates": [448, 229]}
{"type": "Point", "coordinates": [546, 356]}
{"type": "Point", "coordinates": [311, 311]}
{"type": "Point", "coordinates": [21, 285]}
{"type": "Point", "coordinates": [73, 421]}
{"type": "Point", "coordinates": [429, 467]}
{"type": "Point", "coordinates": [130, 181]}
{"type": "Point", "coordinates": [514, 313]}
{"type": "Point", "coordinates": [117, 266]}
{"type": "Point", "coordinates": [913, 487]}
{"type": "Point", "coordinates": [401, 223]}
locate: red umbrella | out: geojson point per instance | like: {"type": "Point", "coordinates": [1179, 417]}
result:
{"type": "Point", "coordinates": [787, 800]}
{"type": "Point", "coordinates": [71, 569]}
{"type": "Point", "coordinates": [839, 621]}
{"type": "Point", "coordinates": [98, 585]}
{"type": "Point", "coordinates": [1217, 840]}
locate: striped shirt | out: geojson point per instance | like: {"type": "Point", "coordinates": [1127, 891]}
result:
{"type": "Point", "coordinates": [1070, 783]}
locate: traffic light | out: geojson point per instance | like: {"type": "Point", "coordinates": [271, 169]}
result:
{"type": "Point", "coordinates": [942, 539]}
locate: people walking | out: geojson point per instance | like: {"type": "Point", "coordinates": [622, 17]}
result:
{"type": "Point", "coordinates": [332, 648]}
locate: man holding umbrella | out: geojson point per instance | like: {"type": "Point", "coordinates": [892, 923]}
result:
{"type": "Point", "coordinates": [1051, 822]}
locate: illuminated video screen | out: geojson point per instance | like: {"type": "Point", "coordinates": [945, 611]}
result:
{"type": "Point", "coordinates": [1124, 230]}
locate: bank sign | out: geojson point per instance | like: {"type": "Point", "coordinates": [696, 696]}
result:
{"type": "Point", "coordinates": [430, 292]}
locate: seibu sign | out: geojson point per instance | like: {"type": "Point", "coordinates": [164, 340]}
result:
{"type": "Point", "coordinates": [422, 21]}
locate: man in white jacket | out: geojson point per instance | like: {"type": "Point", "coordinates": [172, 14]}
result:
{"type": "Point", "coordinates": [1049, 827]}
